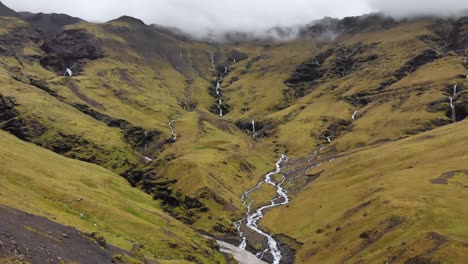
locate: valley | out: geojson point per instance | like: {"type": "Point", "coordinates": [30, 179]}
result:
{"type": "Point", "coordinates": [351, 149]}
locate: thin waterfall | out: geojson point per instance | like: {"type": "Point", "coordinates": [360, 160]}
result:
{"type": "Point", "coordinates": [454, 117]}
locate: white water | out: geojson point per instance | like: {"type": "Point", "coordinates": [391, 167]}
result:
{"type": "Point", "coordinates": [454, 90]}
{"type": "Point", "coordinates": [174, 135]}
{"type": "Point", "coordinates": [253, 129]}
{"type": "Point", "coordinates": [329, 139]}
{"type": "Point", "coordinates": [69, 72]}
{"type": "Point", "coordinates": [253, 218]}
{"type": "Point", "coordinates": [218, 87]}
{"type": "Point", "coordinates": [234, 60]}
{"type": "Point", "coordinates": [241, 255]}
{"type": "Point", "coordinates": [212, 60]}
{"type": "Point", "coordinates": [354, 115]}
{"type": "Point", "coordinates": [225, 69]}
{"type": "Point", "coordinates": [146, 143]}
{"type": "Point", "coordinates": [454, 117]}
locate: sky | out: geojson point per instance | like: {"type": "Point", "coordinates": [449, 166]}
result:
{"type": "Point", "coordinates": [201, 16]}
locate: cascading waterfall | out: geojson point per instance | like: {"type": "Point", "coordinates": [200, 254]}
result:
{"type": "Point", "coordinates": [174, 135]}
{"type": "Point", "coordinates": [254, 133]}
{"type": "Point", "coordinates": [454, 90]}
{"type": "Point", "coordinates": [212, 60]}
{"type": "Point", "coordinates": [354, 115]}
{"type": "Point", "coordinates": [146, 147]}
{"type": "Point", "coordinates": [220, 102]}
{"type": "Point", "coordinates": [218, 87]}
{"type": "Point", "coordinates": [329, 139]}
{"type": "Point", "coordinates": [218, 92]}
{"type": "Point", "coordinates": [252, 219]}
{"type": "Point", "coordinates": [146, 143]}
{"type": "Point", "coordinates": [454, 117]}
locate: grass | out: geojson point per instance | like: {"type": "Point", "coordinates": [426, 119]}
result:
{"type": "Point", "coordinates": [143, 80]}
{"type": "Point", "coordinates": [395, 177]}
{"type": "Point", "coordinates": [43, 183]}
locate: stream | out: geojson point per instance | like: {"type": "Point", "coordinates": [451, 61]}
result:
{"type": "Point", "coordinates": [253, 217]}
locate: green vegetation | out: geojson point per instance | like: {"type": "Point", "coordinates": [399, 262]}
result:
{"type": "Point", "coordinates": [130, 80]}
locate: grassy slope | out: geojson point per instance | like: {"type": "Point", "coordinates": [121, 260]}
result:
{"type": "Point", "coordinates": [44, 183]}
{"type": "Point", "coordinates": [403, 105]}
{"type": "Point", "coordinates": [396, 179]}
{"type": "Point", "coordinates": [212, 158]}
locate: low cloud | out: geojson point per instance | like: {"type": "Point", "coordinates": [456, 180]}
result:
{"type": "Point", "coordinates": [414, 8]}
{"type": "Point", "coordinates": [253, 18]}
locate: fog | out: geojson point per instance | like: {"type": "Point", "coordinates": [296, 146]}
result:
{"type": "Point", "coordinates": [214, 17]}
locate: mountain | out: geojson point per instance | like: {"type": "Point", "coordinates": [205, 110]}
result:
{"type": "Point", "coordinates": [49, 23]}
{"type": "Point", "coordinates": [6, 11]}
{"type": "Point", "coordinates": [154, 142]}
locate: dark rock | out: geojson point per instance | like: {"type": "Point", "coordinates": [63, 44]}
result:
{"type": "Point", "coordinates": [364, 235]}
{"type": "Point", "coordinates": [70, 49]}
{"type": "Point", "coordinates": [415, 63]}
{"type": "Point", "coordinates": [6, 11]}
{"type": "Point", "coordinates": [310, 70]}
{"type": "Point", "coordinates": [236, 56]}
{"type": "Point", "coordinates": [136, 136]}
{"type": "Point", "coordinates": [49, 24]}
{"type": "Point", "coordinates": [42, 85]}
{"type": "Point", "coordinates": [253, 61]}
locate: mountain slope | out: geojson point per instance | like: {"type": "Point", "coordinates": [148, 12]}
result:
{"type": "Point", "coordinates": [400, 201]}
{"type": "Point", "coordinates": [93, 199]}
{"type": "Point", "coordinates": [195, 124]}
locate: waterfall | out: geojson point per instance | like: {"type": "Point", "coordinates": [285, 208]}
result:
{"type": "Point", "coordinates": [220, 112]}
{"type": "Point", "coordinates": [225, 69]}
{"type": "Point", "coordinates": [329, 139]}
{"type": "Point", "coordinates": [454, 90]}
{"type": "Point", "coordinates": [454, 117]}
{"type": "Point", "coordinates": [254, 133]}
{"type": "Point", "coordinates": [218, 87]}
{"type": "Point", "coordinates": [234, 60]}
{"type": "Point", "coordinates": [212, 60]}
{"type": "Point", "coordinates": [354, 115]}
{"type": "Point", "coordinates": [146, 143]}
{"type": "Point", "coordinates": [68, 72]}
{"type": "Point", "coordinates": [174, 135]}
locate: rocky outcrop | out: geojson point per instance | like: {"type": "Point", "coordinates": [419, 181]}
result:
{"type": "Point", "coordinates": [70, 49]}
{"type": "Point", "coordinates": [328, 29]}
{"type": "Point", "coordinates": [49, 24]}
{"type": "Point", "coordinates": [336, 128]}
{"type": "Point", "coordinates": [6, 11]}
{"type": "Point", "coordinates": [12, 43]}
{"type": "Point", "coordinates": [411, 66]}
{"type": "Point", "coordinates": [136, 136]}
{"type": "Point", "coordinates": [12, 121]}
{"type": "Point", "coordinates": [236, 56]}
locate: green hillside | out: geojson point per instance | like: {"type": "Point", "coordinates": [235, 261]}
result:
{"type": "Point", "coordinates": [136, 132]}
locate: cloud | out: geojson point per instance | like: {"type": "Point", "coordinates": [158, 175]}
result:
{"type": "Point", "coordinates": [200, 17]}
{"type": "Point", "coordinates": [215, 17]}
{"type": "Point", "coordinates": [413, 8]}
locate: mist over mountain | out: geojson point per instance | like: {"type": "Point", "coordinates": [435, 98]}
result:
{"type": "Point", "coordinates": [211, 19]}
